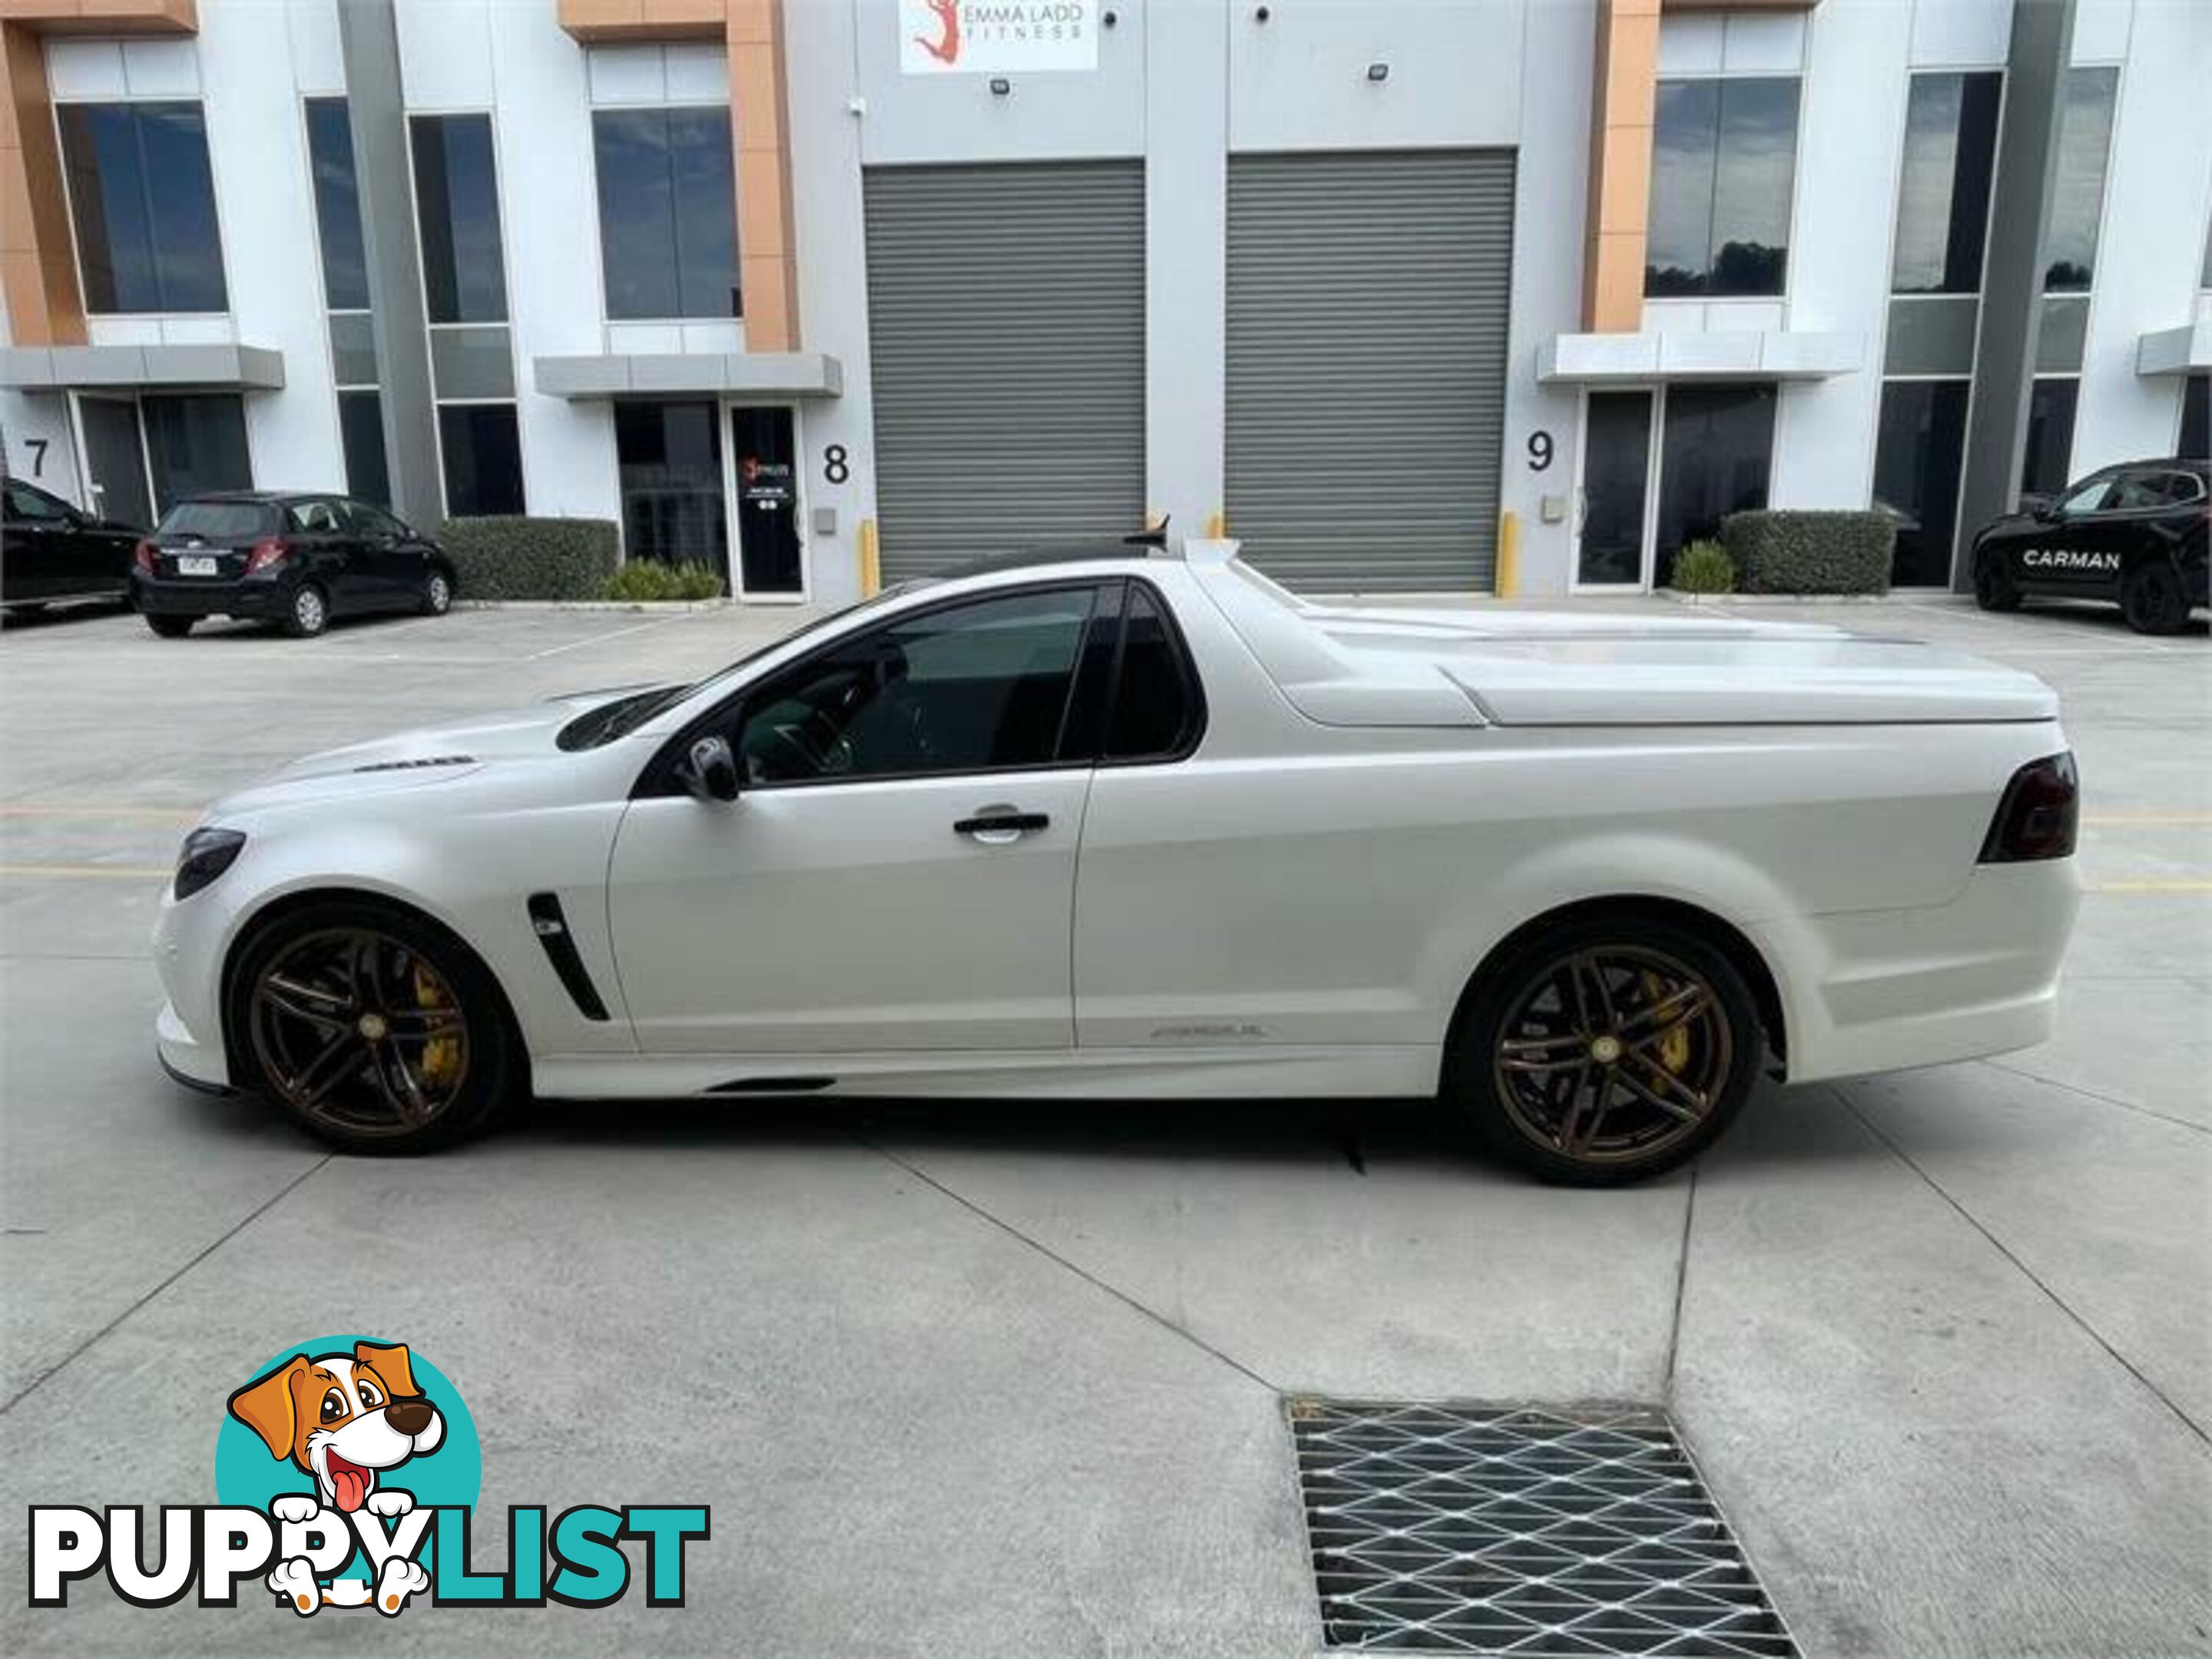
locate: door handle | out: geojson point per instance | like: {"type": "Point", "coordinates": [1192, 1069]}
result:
{"type": "Point", "coordinates": [998, 825]}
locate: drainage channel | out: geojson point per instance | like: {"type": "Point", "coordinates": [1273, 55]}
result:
{"type": "Point", "coordinates": [1522, 1529]}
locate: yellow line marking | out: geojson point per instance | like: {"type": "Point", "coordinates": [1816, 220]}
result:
{"type": "Point", "coordinates": [150, 814]}
{"type": "Point", "coordinates": [87, 872]}
{"type": "Point", "coordinates": [2177, 886]}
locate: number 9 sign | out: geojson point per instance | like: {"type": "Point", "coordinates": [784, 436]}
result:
{"type": "Point", "coordinates": [1540, 451]}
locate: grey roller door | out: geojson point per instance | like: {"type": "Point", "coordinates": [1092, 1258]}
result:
{"type": "Point", "coordinates": [1368, 296]}
{"type": "Point", "coordinates": [1006, 337]}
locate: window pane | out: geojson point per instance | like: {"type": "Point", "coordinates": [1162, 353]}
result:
{"type": "Point", "coordinates": [457, 200]}
{"type": "Point", "coordinates": [361, 426]}
{"type": "Point", "coordinates": [2196, 417]}
{"type": "Point", "coordinates": [1916, 475]}
{"type": "Point", "coordinates": [2050, 436]}
{"type": "Point", "coordinates": [221, 521]}
{"type": "Point", "coordinates": [705, 212]}
{"type": "Point", "coordinates": [2077, 197]}
{"type": "Point", "coordinates": [143, 203]}
{"type": "Point", "coordinates": [974, 688]}
{"type": "Point", "coordinates": [1716, 446]}
{"type": "Point", "coordinates": [1680, 239]}
{"type": "Point", "coordinates": [1944, 194]}
{"type": "Point", "coordinates": [667, 212]}
{"type": "Point", "coordinates": [1151, 705]}
{"type": "Point", "coordinates": [473, 363]}
{"type": "Point", "coordinates": [482, 449]}
{"type": "Point", "coordinates": [337, 204]}
{"type": "Point", "coordinates": [353, 349]}
{"type": "Point", "coordinates": [669, 456]}
{"type": "Point", "coordinates": [1755, 168]}
{"type": "Point", "coordinates": [195, 444]}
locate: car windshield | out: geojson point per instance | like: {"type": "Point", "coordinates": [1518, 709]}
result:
{"type": "Point", "coordinates": [625, 714]}
{"type": "Point", "coordinates": [218, 521]}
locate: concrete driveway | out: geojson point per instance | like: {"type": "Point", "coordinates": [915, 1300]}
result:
{"type": "Point", "coordinates": [1006, 1380]}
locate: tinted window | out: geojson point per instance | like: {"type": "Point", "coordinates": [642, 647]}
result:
{"type": "Point", "coordinates": [2050, 436]}
{"type": "Point", "coordinates": [668, 235]}
{"type": "Point", "coordinates": [1723, 164]}
{"type": "Point", "coordinates": [337, 204]}
{"type": "Point", "coordinates": [2094, 496]}
{"type": "Point", "coordinates": [2077, 193]}
{"type": "Point", "coordinates": [1917, 462]}
{"type": "Point", "coordinates": [315, 518]}
{"type": "Point", "coordinates": [2196, 442]}
{"type": "Point", "coordinates": [1153, 711]}
{"type": "Point", "coordinates": [669, 459]}
{"type": "Point", "coordinates": [2140, 492]}
{"type": "Point", "coordinates": [219, 521]}
{"type": "Point", "coordinates": [1943, 192]}
{"type": "Point", "coordinates": [195, 444]}
{"type": "Point", "coordinates": [375, 521]}
{"type": "Point", "coordinates": [1715, 446]}
{"type": "Point", "coordinates": [143, 200]}
{"type": "Point", "coordinates": [361, 428]}
{"type": "Point", "coordinates": [25, 502]}
{"type": "Point", "coordinates": [457, 202]}
{"type": "Point", "coordinates": [483, 453]}
{"type": "Point", "coordinates": [970, 687]}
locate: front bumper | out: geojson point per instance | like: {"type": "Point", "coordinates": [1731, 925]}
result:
{"type": "Point", "coordinates": [260, 598]}
{"type": "Point", "coordinates": [194, 1064]}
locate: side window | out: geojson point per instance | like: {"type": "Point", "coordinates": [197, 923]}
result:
{"type": "Point", "coordinates": [34, 506]}
{"type": "Point", "coordinates": [1155, 709]}
{"type": "Point", "coordinates": [2089, 498]}
{"type": "Point", "coordinates": [314, 519]}
{"type": "Point", "coordinates": [2136, 492]}
{"type": "Point", "coordinates": [971, 688]}
{"type": "Point", "coordinates": [370, 520]}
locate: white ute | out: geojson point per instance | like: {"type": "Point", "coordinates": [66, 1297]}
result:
{"type": "Point", "coordinates": [1108, 825]}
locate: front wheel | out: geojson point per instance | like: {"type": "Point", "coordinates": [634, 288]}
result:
{"type": "Point", "coordinates": [2151, 598]}
{"type": "Point", "coordinates": [437, 594]}
{"type": "Point", "coordinates": [376, 1031]}
{"type": "Point", "coordinates": [1993, 584]}
{"type": "Point", "coordinates": [1600, 1051]}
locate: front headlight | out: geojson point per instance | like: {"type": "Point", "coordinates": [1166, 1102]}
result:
{"type": "Point", "coordinates": [206, 854]}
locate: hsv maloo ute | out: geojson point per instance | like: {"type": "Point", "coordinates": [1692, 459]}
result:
{"type": "Point", "coordinates": [1104, 826]}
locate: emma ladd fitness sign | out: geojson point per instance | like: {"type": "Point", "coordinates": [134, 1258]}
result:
{"type": "Point", "coordinates": [996, 37]}
{"type": "Point", "coordinates": [346, 1470]}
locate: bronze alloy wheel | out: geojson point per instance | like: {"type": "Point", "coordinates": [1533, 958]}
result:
{"type": "Point", "coordinates": [360, 1033]}
{"type": "Point", "coordinates": [1615, 1054]}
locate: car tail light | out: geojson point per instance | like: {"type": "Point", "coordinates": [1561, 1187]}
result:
{"type": "Point", "coordinates": [142, 556]}
{"type": "Point", "coordinates": [267, 551]}
{"type": "Point", "coordinates": [2038, 815]}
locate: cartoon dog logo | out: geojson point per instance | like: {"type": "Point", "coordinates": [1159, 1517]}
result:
{"type": "Point", "coordinates": [344, 1420]}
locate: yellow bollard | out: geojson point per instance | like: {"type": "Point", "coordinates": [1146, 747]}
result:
{"type": "Point", "coordinates": [872, 575]}
{"type": "Point", "coordinates": [1216, 527]}
{"type": "Point", "coordinates": [1508, 575]}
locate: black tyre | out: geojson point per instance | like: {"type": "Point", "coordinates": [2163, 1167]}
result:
{"type": "Point", "coordinates": [171, 627]}
{"type": "Point", "coordinates": [310, 613]}
{"type": "Point", "coordinates": [1605, 1050]}
{"type": "Point", "coordinates": [376, 1031]}
{"type": "Point", "coordinates": [437, 593]}
{"type": "Point", "coordinates": [1993, 584]}
{"type": "Point", "coordinates": [2151, 600]}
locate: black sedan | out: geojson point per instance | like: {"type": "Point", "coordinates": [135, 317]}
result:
{"type": "Point", "coordinates": [2132, 535]}
{"type": "Point", "coordinates": [56, 554]}
{"type": "Point", "coordinates": [295, 560]}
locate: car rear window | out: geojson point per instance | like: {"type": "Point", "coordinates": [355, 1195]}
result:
{"type": "Point", "coordinates": [218, 521]}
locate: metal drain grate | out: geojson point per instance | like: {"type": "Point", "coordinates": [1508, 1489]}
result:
{"type": "Point", "coordinates": [1521, 1529]}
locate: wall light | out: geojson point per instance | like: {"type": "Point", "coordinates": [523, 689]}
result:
{"type": "Point", "coordinates": [1378, 71]}
{"type": "Point", "coordinates": [1000, 86]}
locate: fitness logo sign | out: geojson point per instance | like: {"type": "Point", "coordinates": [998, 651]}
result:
{"type": "Point", "coordinates": [346, 1471]}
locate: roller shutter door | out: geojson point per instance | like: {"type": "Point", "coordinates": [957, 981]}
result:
{"type": "Point", "coordinates": [1368, 297]}
{"type": "Point", "coordinates": [1006, 336]}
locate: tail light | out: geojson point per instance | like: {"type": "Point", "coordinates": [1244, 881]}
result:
{"type": "Point", "coordinates": [267, 551]}
{"type": "Point", "coordinates": [2038, 815]}
{"type": "Point", "coordinates": [142, 556]}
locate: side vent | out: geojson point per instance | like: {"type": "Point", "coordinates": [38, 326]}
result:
{"type": "Point", "coordinates": [774, 1085]}
{"type": "Point", "coordinates": [552, 930]}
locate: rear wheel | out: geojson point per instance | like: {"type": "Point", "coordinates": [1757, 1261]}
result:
{"type": "Point", "coordinates": [1993, 584]}
{"type": "Point", "coordinates": [171, 627]}
{"type": "Point", "coordinates": [310, 613]}
{"type": "Point", "coordinates": [1603, 1051]}
{"type": "Point", "coordinates": [2151, 600]}
{"type": "Point", "coordinates": [376, 1031]}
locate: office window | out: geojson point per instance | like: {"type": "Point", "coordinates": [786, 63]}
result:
{"type": "Point", "coordinates": [2077, 194]}
{"type": "Point", "coordinates": [337, 205]}
{"type": "Point", "coordinates": [1943, 192]}
{"type": "Point", "coordinates": [2195, 418]}
{"type": "Point", "coordinates": [143, 202]}
{"type": "Point", "coordinates": [1724, 165]}
{"type": "Point", "coordinates": [669, 458]}
{"type": "Point", "coordinates": [195, 442]}
{"type": "Point", "coordinates": [457, 203]}
{"type": "Point", "coordinates": [2050, 435]}
{"type": "Point", "coordinates": [1717, 446]}
{"type": "Point", "coordinates": [360, 430]}
{"type": "Point", "coordinates": [668, 228]}
{"type": "Point", "coordinates": [482, 449]}
{"type": "Point", "coordinates": [1918, 456]}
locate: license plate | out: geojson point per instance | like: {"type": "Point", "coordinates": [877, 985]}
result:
{"type": "Point", "coordinates": [196, 565]}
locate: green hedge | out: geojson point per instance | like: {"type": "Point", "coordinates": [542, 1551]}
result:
{"type": "Point", "coordinates": [648, 579]}
{"type": "Point", "coordinates": [1797, 552]}
{"type": "Point", "coordinates": [520, 558]}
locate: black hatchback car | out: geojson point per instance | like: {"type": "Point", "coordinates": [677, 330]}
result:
{"type": "Point", "coordinates": [295, 560]}
{"type": "Point", "coordinates": [2132, 535]}
{"type": "Point", "coordinates": [56, 554]}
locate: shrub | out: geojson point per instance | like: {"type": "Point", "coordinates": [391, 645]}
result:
{"type": "Point", "coordinates": [1804, 552]}
{"type": "Point", "coordinates": [1704, 567]}
{"type": "Point", "coordinates": [523, 558]}
{"type": "Point", "coordinates": [648, 579]}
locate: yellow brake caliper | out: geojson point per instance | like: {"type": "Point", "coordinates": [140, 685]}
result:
{"type": "Point", "coordinates": [1673, 1049]}
{"type": "Point", "coordinates": [441, 1056]}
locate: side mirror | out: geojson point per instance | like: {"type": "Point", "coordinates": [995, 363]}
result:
{"type": "Point", "coordinates": [709, 772]}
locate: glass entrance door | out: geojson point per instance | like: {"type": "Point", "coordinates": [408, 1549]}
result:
{"type": "Point", "coordinates": [115, 460]}
{"type": "Point", "coordinates": [1616, 476]}
{"type": "Point", "coordinates": [765, 457]}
